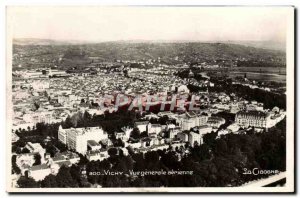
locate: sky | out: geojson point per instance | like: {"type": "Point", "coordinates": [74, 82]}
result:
{"type": "Point", "coordinates": [149, 23]}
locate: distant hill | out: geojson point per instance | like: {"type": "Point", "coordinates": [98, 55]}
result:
{"type": "Point", "coordinates": [36, 41]}
{"type": "Point", "coordinates": [74, 57]}
{"type": "Point", "coordinates": [261, 44]}
{"type": "Point", "coordinates": [68, 54]}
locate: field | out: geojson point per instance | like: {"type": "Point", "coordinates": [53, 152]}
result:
{"type": "Point", "coordinates": [254, 73]}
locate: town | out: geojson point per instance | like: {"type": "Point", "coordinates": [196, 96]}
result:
{"type": "Point", "coordinates": [65, 118]}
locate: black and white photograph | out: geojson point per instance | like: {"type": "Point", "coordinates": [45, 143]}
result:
{"type": "Point", "coordinates": [150, 99]}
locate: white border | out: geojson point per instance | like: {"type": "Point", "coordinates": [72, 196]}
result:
{"type": "Point", "coordinates": [290, 75]}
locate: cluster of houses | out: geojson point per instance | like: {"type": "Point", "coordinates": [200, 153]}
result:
{"type": "Point", "coordinates": [52, 100]}
{"type": "Point", "coordinates": [94, 142]}
{"type": "Point", "coordinates": [27, 162]}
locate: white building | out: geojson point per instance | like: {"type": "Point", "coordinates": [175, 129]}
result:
{"type": "Point", "coordinates": [93, 145]}
{"type": "Point", "coordinates": [40, 85]}
{"type": "Point", "coordinates": [143, 125]}
{"type": "Point", "coordinates": [14, 137]}
{"type": "Point", "coordinates": [215, 121]}
{"type": "Point", "coordinates": [77, 138]}
{"type": "Point", "coordinates": [194, 137]}
{"type": "Point", "coordinates": [25, 161]}
{"type": "Point", "coordinates": [96, 155]}
{"type": "Point", "coordinates": [202, 120]}
{"type": "Point", "coordinates": [127, 131]}
{"type": "Point", "coordinates": [233, 127]}
{"type": "Point", "coordinates": [204, 129]}
{"type": "Point", "coordinates": [259, 119]}
{"type": "Point", "coordinates": [173, 132]}
{"type": "Point", "coordinates": [36, 148]}
{"type": "Point", "coordinates": [253, 118]}
{"type": "Point", "coordinates": [155, 128]}
{"type": "Point", "coordinates": [188, 120]}
{"type": "Point", "coordinates": [39, 172]}
{"type": "Point", "coordinates": [183, 89]}
{"type": "Point", "coordinates": [183, 136]}
{"type": "Point", "coordinates": [38, 117]}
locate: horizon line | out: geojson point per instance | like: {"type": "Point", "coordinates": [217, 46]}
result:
{"type": "Point", "coordinates": [143, 40]}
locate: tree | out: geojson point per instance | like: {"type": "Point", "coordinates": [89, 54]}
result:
{"type": "Point", "coordinates": [221, 147]}
{"type": "Point", "coordinates": [163, 120]}
{"type": "Point", "coordinates": [25, 150]}
{"type": "Point", "coordinates": [49, 182]}
{"type": "Point", "coordinates": [15, 168]}
{"type": "Point", "coordinates": [51, 149]}
{"type": "Point", "coordinates": [75, 172]}
{"type": "Point", "coordinates": [68, 123]}
{"type": "Point", "coordinates": [209, 138]}
{"type": "Point", "coordinates": [152, 157]}
{"type": "Point", "coordinates": [83, 160]}
{"type": "Point", "coordinates": [44, 72]}
{"type": "Point", "coordinates": [64, 178]}
{"type": "Point", "coordinates": [135, 133]}
{"type": "Point", "coordinates": [37, 158]}
{"type": "Point", "coordinates": [144, 134]}
{"type": "Point", "coordinates": [27, 182]}
{"type": "Point", "coordinates": [86, 116]}
{"type": "Point", "coordinates": [119, 143]}
{"type": "Point", "coordinates": [112, 151]}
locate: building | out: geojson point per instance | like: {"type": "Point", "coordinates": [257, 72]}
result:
{"type": "Point", "coordinates": [252, 118]}
{"type": "Point", "coordinates": [233, 127]}
{"type": "Point", "coordinates": [197, 133]}
{"type": "Point", "coordinates": [93, 145]}
{"type": "Point", "coordinates": [183, 136]}
{"type": "Point", "coordinates": [39, 172]}
{"type": "Point", "coordinates": [40, 85]}
{"type": "Point", "coordinates": [142, 125]}
{"type": "Point", "coordinates": [173, 132]}
{"type": "Point", "coordinates": [97, 155]}
{"type": "Point", "coordinates": [234, 108]}
{"type": "Point", "coordinates": [188, 120]}
{"type": "Point", "coordinates": [183, 89]}
{"type": "Point", "coordinates": [25, 161]}
{"type": "Point", "coordinates": [194, 137]}
{"type": "Point", "coordinates": [36, 148]}
{"type": "Point", "coordinates": [204, 129]}
{"type": "Point", "coordinates": [127, 131]}
{"type": "Point", "coordinates": [202, 120]}
{"type": "Point", "coordinates": [38, 117]}
{"type": "Point", "coordinates": [221, 133]}
{"type": "Point", "coordinates": [121, 135]}
{"type": "Point", "coordinates": [215, 121]}
{"type": "Point", "coordinates": [146, 142]}
{"type": "Point", "coordinates": [155, 129]}
{"type": "Point", "coordinates": [254, 106]}
{"type": "Point", "coordinates": [77, 138]}
{"type": "Point", "coordinates": [14, 137]}
{"type": "Point", "coordinates": [63, 99]}
{"type": "Point", "coordinates": [70, 156]}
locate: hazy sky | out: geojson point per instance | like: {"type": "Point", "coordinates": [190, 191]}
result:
{"type": "Point", "coordinates": [149, 23]}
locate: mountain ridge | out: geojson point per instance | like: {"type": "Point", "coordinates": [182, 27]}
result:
{"type": "Point", "coordinates": [269, 45]}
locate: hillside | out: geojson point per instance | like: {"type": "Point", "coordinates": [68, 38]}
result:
{"type": "Point", "coordinates": [170, 53]}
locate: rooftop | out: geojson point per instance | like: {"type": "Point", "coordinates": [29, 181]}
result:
{"type": "Point", "coordinates": [39, 167]}
{"type": "Point", "coordinates": [92, 143]}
